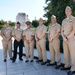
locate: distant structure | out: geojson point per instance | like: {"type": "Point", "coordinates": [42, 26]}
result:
{"type": "Point", "coordinates": [22, 18]}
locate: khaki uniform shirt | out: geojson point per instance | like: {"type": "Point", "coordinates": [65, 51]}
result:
{"type": "Point", "coordinates": [53, 30]}
{"type": "Point", "coordinates": [6, 32]}
{"type": "Point", "coordinates": [68, 25]}
{"type": "Point", "coordinates": [17, 33]}
{"type": "Point", "coordinates": [28, 33]}
{"type": "Point", "coordinates": [40, 30]}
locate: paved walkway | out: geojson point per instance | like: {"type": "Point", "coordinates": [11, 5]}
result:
{"type": "Point", "coordinates": [22, 68]}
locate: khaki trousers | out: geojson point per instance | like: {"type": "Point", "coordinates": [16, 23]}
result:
{"type": "Point", "coordinates": [41, 47]}
{"type": "Point", "coordinates": [69, 50]}
{"type": "Point", "coordinates": [54, 47]}
{"type": "Point", "coordinates": [29, 49]}
{"type": "Point", "coordinates": [7, 46]}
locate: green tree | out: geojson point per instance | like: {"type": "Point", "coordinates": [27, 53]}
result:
{"type": "Point", "coordinates": [12, 24]}
{"type": "Point", "coordinates": [57, 7]}
{"type": "Point", "coordinates": [35, 23]}
{"type": "Point", "coordinates": [46, 23]}
{"type": "Point", "coordinates": [2, 22]}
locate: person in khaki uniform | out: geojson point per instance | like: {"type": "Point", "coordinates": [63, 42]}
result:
{"type": "Point", "coordinates": [17, 34]}
{"type": "Point", "coordinates": [54, 43]}
{"type": "Point", "coordinates": [40, 37]}
{"type": "Point", "coordinates": [68, 31]}
{"type": "Point", "coordinates": [6, 34]}
{"type": "Point", "coordinates": [29, 42]}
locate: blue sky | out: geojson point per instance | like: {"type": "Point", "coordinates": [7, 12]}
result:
{"type": "Point", "coordinates": [10, 8]}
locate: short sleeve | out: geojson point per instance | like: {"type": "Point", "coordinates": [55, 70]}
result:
{"type": "Point", "coordinates": [62, 27]}
{"type": "Point", "coordinates": [1, 32]}
{"type": "Point", "coordinates": [58, 28]}
{"type": "Point", "coordinates": [49, 30]}
{"type": "Point", "coordinates": [24, 33]}
{"type": "Point", "coordinates": [33, 33]}
{"type": "Point", "coordinates": [74, 23]}
{"type": "Point", "coordinates": [13, 32]}
{"type": "Point", "coordinates": [36, 31]}
{"type": "Point", "coordinates": [44, 30]}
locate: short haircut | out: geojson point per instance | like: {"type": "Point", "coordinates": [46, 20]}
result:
{"type": "Point", "coordinates": [68, 8]}
{"type": "Point", "coordinates": [53, 16]}
{"type": "Point", "coordinates": [18, 23]}
{"type": "Point", "coordinates": [5, 22]}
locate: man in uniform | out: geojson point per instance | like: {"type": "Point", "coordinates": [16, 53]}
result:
{"type": "Point", "coordinates": [54, 43]}
{"type": "Point", "coordinates": [40, 37]}
{"type": "Point", "coordinates": [17, 34]}
{"type": "Point", "coordinates": [68, 31]}
{"type": "Point", "coordinates": [28, 35]}
{"type": "Point", "coordinates": [6, 34]}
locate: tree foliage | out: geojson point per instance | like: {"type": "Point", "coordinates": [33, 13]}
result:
{"type": "Point", "coordinates": [12, 24]}
{"type": "Point", "coordinates": [57, 7]}
{"type": "Point", "coordinates": [35, 23]}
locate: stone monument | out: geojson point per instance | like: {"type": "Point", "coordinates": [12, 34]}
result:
{"type": "Point", "coordinates": [22, 18]}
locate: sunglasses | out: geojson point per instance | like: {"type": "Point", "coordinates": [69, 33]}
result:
{"type": "Point", "coordinates": [28, 24]}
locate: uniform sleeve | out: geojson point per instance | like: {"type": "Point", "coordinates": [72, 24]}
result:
{"type": "Point", "coordinates": [58, 28]}
{"type": "Point", "coordinates": [36, 34]}
{"type": "Point", "coordinates": [36, 31]}
{"type": "Point", "coordinates": [33, 33]}
{"type": "Point", "coordinates": [24, 33]}
{"type": "Point", "coordinates": [49, 30]}
{"type": "Point", "coordinates": [62, 27]}
{"type": "Point", "coordinates": [74, 24]}
{"type": "Point", "coordinates": [45, 30]}
{"type": "Point", "coordinates": [1, 31]}
{"type": "Point", "coordinates": [13, 32]}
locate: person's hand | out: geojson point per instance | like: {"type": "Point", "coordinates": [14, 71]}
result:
{"type": "Point", "coordinates": [50, 39]}
{"type": "Point", "coordinates": [18, 40]}
{"type": "Point", "coordinates": [38, 39]}
{"type": "Point", "coordinates": [27, 41]}
{"type": "Point", "coordinates": [65, 40]}
{"type": "Point", "coordinates": [7, 39]}
{"type": "Point", "coordinates": [30, 41]}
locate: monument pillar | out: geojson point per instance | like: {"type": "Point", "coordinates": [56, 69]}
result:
{"type": "Point", "coordinates": [22, 18]}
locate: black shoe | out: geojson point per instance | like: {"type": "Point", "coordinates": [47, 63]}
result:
{"type": "Point", "coordinates": [71, 72]}
{"type": "Point", "coordinates": [13, 61]}
{"type": "Point", "coordinates": [39, 61]}
{"type": "Point", "coordinates": [27, 61]}
{"type": "Point", "coordinates": [20, 59]}
{"type": "Point", "coordinates": [5, 60]}
{"type": "Point", "coordinates": [57, 66]}
{"type": "Point", "coordinates": [11, 58]}
{"type": "Point", "coordinates": [43, 63]}
{"type": "Point", "coordinates": [31, 61]}
{"type": "Point", "coordinates": [51, 64]}
{"type": "Point", "coordinates": [68, 68]}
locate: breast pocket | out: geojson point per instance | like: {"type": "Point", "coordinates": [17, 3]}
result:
{"type": "Point", "coordinates": [70, 22]}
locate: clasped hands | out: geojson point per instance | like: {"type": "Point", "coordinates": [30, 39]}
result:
{"type": "Point", "coordinates": [50, 39]}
